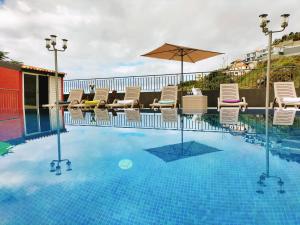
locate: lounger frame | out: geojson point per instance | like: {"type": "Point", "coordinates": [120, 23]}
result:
{"type": "Point", "coordinates": [74, 98]}
{"type": "Point", "coordinates": [282, 90]}
{"type": "Point", "coordinates": [231, 91]}
{"type": "Point", "coordinates": [101, 95]}
{"type": "Point", "coordinates": [168, 93]}
{"type": "Point", "coordinates": [131, 93]}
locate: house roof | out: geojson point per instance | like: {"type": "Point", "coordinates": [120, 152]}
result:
{"type": "Point", "coordinates": [26, 68]}
{"type": "Point", "coordinates": [30, 69]}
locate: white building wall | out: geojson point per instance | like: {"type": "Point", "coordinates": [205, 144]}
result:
{"type": "Point", "coordinates": [52, 112]}
{"type": "Point", "coordinates": [52, 93]}
{"type": "Point", "coordinates": [52, 99]}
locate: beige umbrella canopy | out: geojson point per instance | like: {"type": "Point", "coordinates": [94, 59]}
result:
{"type": "Point", "coordinates": [180, 53]}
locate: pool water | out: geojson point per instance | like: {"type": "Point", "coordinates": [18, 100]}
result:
{"type": "Point", "coordinates": [144, 167]}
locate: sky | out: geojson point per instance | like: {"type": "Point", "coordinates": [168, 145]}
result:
{"type": "Point", "coordinates": [107, 38]}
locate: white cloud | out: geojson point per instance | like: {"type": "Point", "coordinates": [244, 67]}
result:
{"type": "Point", "coordinates": [104, 35]}
{"type": "Point", "coordinates": [23, 7]}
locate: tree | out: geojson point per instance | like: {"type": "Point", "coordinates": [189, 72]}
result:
{"type": "Point", "coordinates": [4, 57]}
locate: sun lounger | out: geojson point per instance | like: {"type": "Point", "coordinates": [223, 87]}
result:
{"type": "Point", "coordinates": [284, 117]}
{"type": "Point", "coordinates": [285, 95]}
{"type": "Point", "coordinates": [168, 98]}
{"type": "Point", "coordinates": [74, 98]}
{"type": "Point", "coordinates": [76, 114]}
{"type": "Point", "coordinates": [229, 115]}
{"type": "Point", "coordinates": [100, 99]}
{"type": "Point", "coordinates": [229, 119]}
{"type": "Point", "coordinates": [229, 96]}
{"type": "Point", "coordinates": [169, 115]}
{"type": "Point", "coordinates": [131, 99]}
{"type": "Point", "coordinates": [133, 115]}
{"type": "Point", "coordinates": [102, 115]}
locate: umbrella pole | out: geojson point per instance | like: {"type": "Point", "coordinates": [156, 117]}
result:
{"type": "Point", "coordinates": [181, 78]}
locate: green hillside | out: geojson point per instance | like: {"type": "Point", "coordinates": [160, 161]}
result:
{"type": "Point", "coordinates": [283, 68]}
{"type": "Point", "coordinates": [287, 37]}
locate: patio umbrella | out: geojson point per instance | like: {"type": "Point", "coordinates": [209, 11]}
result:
{"type": "Point", "coordinates": [180, 53]}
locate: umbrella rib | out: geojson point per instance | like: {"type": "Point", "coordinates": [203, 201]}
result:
{"type": "Point", "coordinates": [173, 56]}
{"type": "Point", "coordinates": [187, 54]}
{"type": "Point", "coordinates": [190, 58]}
{"type": "Point", "coordinates": [154, 53]}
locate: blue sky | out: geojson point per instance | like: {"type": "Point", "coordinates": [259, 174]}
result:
{"type": "Point", "coordinates": [106, 38]}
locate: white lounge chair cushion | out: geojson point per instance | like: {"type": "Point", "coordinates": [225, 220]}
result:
{"type": "Point", "coordinates": [166, 102]}
{"type": "Point", "coordinates": [125, 102]}
{"type": "Point", "coordinates": [290, 99]}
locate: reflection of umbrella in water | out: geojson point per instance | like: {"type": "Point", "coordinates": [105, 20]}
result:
{"type": "Point", "coordinates": [182, 150]}
{"type": "Point", "coordinates": [180, 53]}
{"type": "Point", "coordinates": [173, 152]}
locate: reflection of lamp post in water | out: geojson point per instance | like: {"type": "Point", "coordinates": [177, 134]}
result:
{"type": "Point", "coordinates": [266, 175]}
{"type": "Point", "coordinates": [52, 42]}
{"type": "Point", "coordinates": [181, 126]}
{"type": "Point", "coordinates": [55, 165]}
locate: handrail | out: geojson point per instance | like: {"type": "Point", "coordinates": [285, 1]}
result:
{"type": "Point", "coordinates": [166, 74]}
{"type": "Point", "coordinates": [154, 82]}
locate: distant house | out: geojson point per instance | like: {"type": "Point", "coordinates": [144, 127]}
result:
{"type": "Point", "coordinates": [240, 67]}
{"type": "Point", "coordinates": [256, 55]}
{"type": "Point", "coordinates": [286, 48]}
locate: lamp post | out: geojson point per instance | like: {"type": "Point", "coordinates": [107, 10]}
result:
{"type": "Point", "coordinates": [264, 26]}
{"type": "Point", "coordinates": [51, 46]}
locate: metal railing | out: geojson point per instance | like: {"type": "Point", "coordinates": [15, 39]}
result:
{"type": "Point", "coordinates": [207, 123]}
{"type": "Point", "coordinates": [148, 83]}
{"type": "Point", "coordinates": [210, 80]}
{"type": "Point", "coordinates": [148, 121]}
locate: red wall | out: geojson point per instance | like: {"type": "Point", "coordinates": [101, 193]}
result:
{"type": "Point", "coordinates": [11, 103]}
{"type": "Point", "coordinates": [11, 129]}
{"type": "Point", "coordinates": [10, 79]}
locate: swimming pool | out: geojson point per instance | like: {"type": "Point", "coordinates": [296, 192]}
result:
{"type": "Point", "coordinates": [146, 167]}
